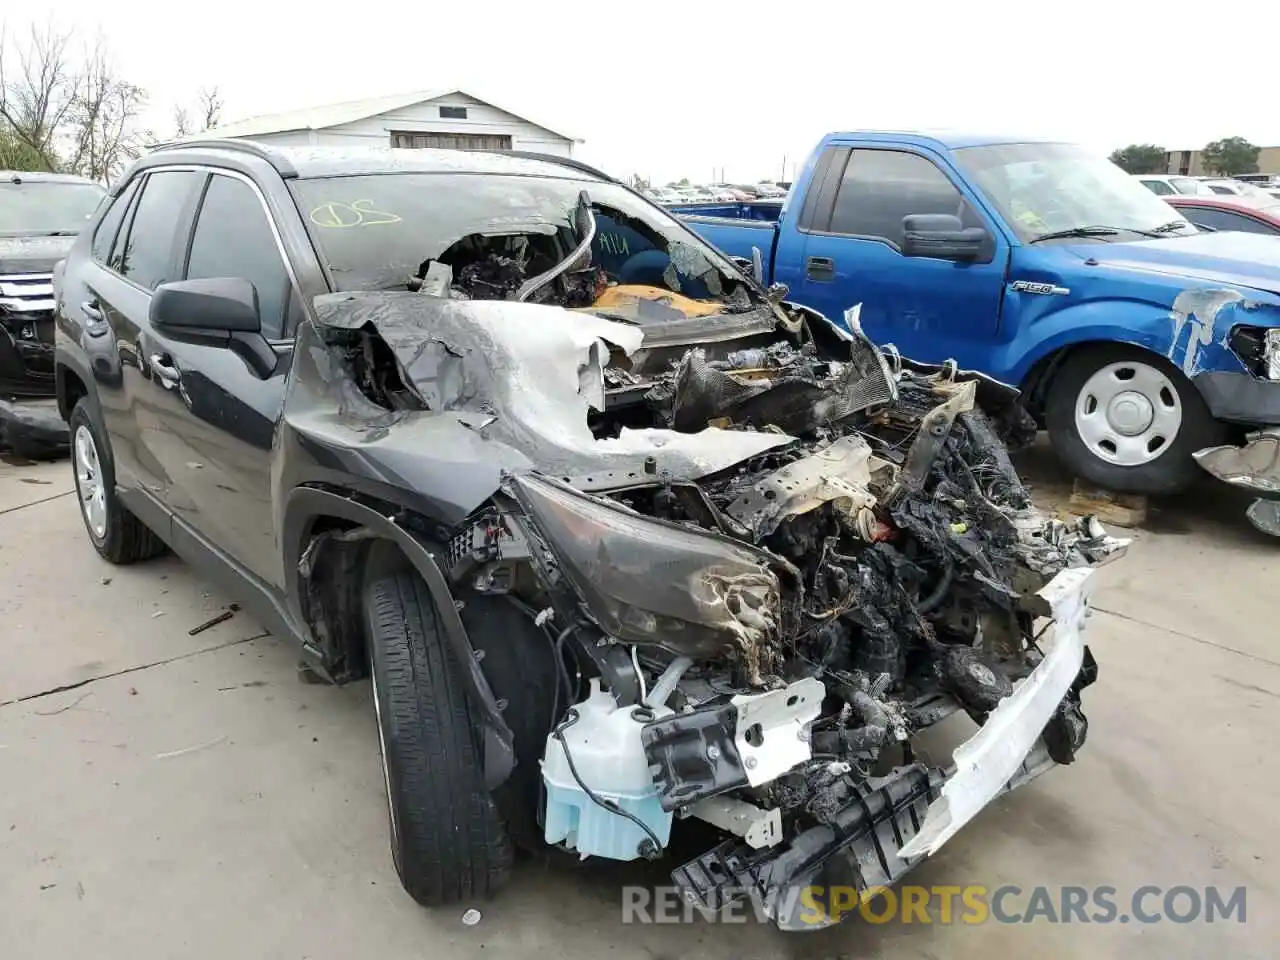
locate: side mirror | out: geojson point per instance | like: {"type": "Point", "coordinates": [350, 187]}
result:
{"type": "Point", "coordinates": [941, 235]}
{"type": "Point", "coordinates": [207, 310]}
{"type": "Point", "coordinates": [220, 312]}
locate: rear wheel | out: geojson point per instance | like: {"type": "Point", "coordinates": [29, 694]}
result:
{"type": "Point", "coordinates": [1128, 420]}
{"type": "Point", "coordinates": [448, 841]}
{"type": "Point", "coordinates": [116, 534]}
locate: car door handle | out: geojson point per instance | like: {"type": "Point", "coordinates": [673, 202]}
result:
{"type": "Point", "coordinates": [162, 366]}
{"type": "Point", "coordinates": [820, 268]}
{"type": "Point", "coordinates": [92, 310]}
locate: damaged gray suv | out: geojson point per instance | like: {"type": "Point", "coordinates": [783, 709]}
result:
{"type": "Point", "coordinates": [621, 539]}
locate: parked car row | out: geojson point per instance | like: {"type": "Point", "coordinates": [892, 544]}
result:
{"type": "Point", "coordinates": [714, 193]}
{"type": "Point", "coordinates": [1175, 185]}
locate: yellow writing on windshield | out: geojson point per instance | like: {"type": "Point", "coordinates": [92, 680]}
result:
{"type": "Point", "coordinates": [357, 213]}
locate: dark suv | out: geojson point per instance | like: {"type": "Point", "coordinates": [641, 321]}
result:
{"type": "Point", "coordinates": [40, 216]}
{"type": "Point", "coordinates": [617, 534]}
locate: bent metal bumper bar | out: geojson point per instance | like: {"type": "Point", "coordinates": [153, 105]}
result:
{"type": "Point", "coordinates": [1255, 467]}
{"type": "Point", "coordinates": [889, 824]}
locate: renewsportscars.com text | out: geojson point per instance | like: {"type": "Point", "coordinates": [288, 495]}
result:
{"type": "Point", "coordinates": [943, 904]}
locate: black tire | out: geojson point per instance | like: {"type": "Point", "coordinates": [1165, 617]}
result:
{"type": "Point", "coordinates": [517, 661]}
{"type": "Point", "coordinates": [125, 538]}
{"type": "Point", "coordinates": [1173, 469]}
{"type": "Point", "coordinates": [448, 841]}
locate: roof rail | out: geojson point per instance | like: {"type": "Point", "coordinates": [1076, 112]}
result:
{"type": "Point", "coordinates": [283, 166]}
{"type": "Point", "coordinates": [562, 161]}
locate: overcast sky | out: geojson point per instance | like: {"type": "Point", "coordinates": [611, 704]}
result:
{"type": "Point", "coordinates": [682, 89]}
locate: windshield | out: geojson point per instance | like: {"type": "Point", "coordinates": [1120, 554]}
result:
{"type": "Point", "coordinates": [46, 208]}
{"type": "Point", "coordinates": [378, 231]}
{"type": "Point", "coordinates": [1188, 186]}
{"type": "Point", "coordinates": [1042, 188]}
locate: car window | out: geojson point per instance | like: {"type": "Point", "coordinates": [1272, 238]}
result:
{"type": "Point", "coordinates": [104, 237]}
{"type": "Point", "coordinates": [1187, 185]}
{"type": "Point", "coordinates": [1226, 220]}
{"type": "Point", "coordinates": [233, 238]}
{"type": "Point", "coordinates": [150, 253]}
{"type": "Point", "coordinates": [1220, 189]}
{"type": "Point", "coordinates": [1158, 186]}
{"type": "Point", "coordinates": [880, 187]}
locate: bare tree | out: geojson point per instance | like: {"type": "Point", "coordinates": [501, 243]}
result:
{"type": "Point", "coordinates": [208, 111]}
{"type": "Point", "coordinates": [210, 107]}
{"type": "Point", "coordinates": [181, 122]}
{"type": "Point", "coordinates": [38, 91]}
{"type": "Point", "coordinates": [103, 122]}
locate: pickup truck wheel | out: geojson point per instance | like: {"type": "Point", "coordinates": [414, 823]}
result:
{"type": "Point", "coordinates": [448, 841]}
{"type": "Point", "coordinates": [1128, 420]}
{"type": "Point", "coordinates": [116, 534]}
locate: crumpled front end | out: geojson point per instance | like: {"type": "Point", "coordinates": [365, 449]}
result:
{"type": "Point", "coordinates": [768, 635]}
{"type": "Point", "coordinates": [765, 556]}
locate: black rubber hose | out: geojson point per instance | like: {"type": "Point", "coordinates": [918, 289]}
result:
{"type": "Point", "coordinates": [939, 593]}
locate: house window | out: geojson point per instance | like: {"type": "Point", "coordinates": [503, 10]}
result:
{"type": "Point", "coordinates": [450, 141]}
{"type": "Point", "coordinates": [453, 113]}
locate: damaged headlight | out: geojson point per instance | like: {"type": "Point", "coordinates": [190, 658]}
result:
{"type": "Point", "coordinates": [1258, 348]}
{"type": "Point", "coordinates": [653, 582]}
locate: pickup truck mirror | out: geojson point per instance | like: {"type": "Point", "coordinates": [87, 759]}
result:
{"type": "Point", "coordinates": [206, 309]}
{"type": "Point", "coordinates": [943, 236]}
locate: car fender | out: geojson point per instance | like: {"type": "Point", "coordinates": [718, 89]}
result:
{"type": "Point", "coordinates": [1192, 332]}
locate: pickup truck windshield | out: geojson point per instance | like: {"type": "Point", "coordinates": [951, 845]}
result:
{"type": "Point", "coordinates": [375, 232]}
{"type": "Point", "coordinates": [1042, 188]}
{"type": "Point", "coordinates": [34, 208]}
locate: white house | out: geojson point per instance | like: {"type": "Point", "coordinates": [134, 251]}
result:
{"type": "Point", "coordinates": [449, 119]}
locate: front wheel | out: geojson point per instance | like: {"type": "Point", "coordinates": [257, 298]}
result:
{"type": "Point", "coordinates": [1128, 420]}
{"type": "Point", "coordinates": [448, 841]}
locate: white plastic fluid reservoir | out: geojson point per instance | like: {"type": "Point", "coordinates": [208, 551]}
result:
{"type": "Point", "coordinates": [609, 757]}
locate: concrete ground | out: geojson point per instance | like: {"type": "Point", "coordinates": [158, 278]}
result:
{"type": "Point", "coordinates": [168, 795]}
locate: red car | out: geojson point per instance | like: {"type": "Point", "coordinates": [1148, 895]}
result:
{"type": "Point", "coordinates": [1229, 213]}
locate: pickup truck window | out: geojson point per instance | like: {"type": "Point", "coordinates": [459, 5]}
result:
{"type": "Point", "coordinates": [880, 187]}
{"type": "Point", "coordinates": [374, 232]}
{"type": "Point", "coordinates": [1043, 188]}
{"type": "Point", "coordinates": [232, 238]}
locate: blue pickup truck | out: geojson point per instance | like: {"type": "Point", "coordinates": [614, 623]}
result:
{"type": "Point", "coordinates": [1139, 340]}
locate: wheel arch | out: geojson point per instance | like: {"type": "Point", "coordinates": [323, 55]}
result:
{"type": "Point", "coordinates": [71, 386]}
{"type": "Point", "coordinates": [334, 545]}
{"type": "Point", "coordinates": [1035, 384]}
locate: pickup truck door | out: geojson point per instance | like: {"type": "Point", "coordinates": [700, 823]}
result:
{"type": "Point", "coordinates": [849, 234]}
{"type": "Point", "coordinates": [214, 416]}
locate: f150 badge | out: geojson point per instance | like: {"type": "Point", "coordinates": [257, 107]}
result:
{"type": "Point", "coordinates": [1044, 289]}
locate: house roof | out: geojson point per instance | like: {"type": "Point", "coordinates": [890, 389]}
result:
{"type": "Point", "coordinates": [335, 114]}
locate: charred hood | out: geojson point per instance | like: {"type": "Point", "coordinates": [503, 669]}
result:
{"type": "Point", "coordinates": [539, 379]}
